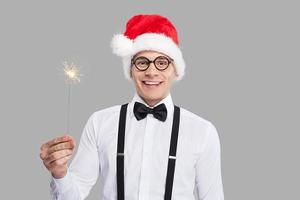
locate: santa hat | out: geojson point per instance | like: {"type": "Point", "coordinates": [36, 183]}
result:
{"type": "Point", "coordinates": [148, 32]}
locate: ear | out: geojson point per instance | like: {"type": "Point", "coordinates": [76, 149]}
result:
{"type": "Point", "coordinates": [175, 76]}
{"type": "Point", "coordinates": [175, 72]}
{"type": "Point", "coordinates": [131, 72]}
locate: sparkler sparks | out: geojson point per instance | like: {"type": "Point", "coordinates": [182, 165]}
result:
{"type": "Point", "coordinates": [71, 72]}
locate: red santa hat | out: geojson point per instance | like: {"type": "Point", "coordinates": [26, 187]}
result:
{"type": "Point", "coordinates": [148, 32]}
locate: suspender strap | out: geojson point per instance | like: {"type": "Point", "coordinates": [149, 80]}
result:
{"type": "Point", "coordinates": [172, 154]}
{"type": "Point", "coordinates": [120, 152]}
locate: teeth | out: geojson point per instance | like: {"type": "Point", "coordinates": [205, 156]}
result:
{"type": "Point", "coordinates": [151, 83]}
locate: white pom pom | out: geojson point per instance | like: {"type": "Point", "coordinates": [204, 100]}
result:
{"type": "Point", "coordinates": [121, 45]}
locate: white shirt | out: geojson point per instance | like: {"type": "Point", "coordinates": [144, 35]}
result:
{"type": "Point", "coordinates": [146, 150]}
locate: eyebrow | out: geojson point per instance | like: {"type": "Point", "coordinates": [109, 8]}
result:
{"type": "Point", "coordinates": [136, 56]}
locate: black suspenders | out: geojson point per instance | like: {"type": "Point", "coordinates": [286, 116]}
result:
{"type": "Point", "coordinates": [172, 153]}
{"type": "Point", "coordinates": [120, 152]}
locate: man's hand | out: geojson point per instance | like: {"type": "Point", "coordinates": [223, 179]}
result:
{"type": "Point", "coordinates": [56, 153]}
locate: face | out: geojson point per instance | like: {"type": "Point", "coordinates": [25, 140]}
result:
{"type": "Point", "coordinates": [152, 85]}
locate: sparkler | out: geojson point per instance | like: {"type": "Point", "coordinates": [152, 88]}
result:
{"type": "Point", "coordinates": [72, 74]}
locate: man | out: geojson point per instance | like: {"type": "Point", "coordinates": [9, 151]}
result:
{"type": "Point", "coordinates": [148, 149]}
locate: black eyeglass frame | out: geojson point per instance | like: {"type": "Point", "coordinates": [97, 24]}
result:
{"type": "Point", "coordinates": [170, 60]}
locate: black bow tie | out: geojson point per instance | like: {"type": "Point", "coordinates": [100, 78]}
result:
{"type": "Point", "coordinates": [141, 111]}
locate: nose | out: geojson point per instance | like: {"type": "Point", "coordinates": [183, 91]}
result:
{"type": "Point", "coordinates": [151, 70]}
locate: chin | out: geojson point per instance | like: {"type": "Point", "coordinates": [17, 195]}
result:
{"type": "Point", "coordinates": [153, 97]}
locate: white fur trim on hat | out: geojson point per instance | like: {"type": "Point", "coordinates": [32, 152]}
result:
{"type": "Point", "coordinates": [127, 48]}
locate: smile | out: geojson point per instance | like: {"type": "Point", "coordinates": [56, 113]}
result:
{"type": "Point", "coordinates": [152, 83]}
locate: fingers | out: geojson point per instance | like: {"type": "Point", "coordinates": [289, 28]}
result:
{"type": "Point", "coordinates": [57, 144]}
{"type": "Point", "coordinates": [61, 146]}
{"type": "Point", "coordinates": [57, 140]}
{"type": "Point", "coordinates": [57, 156]}
{"type": "Point", "coordinates": [61, 161]}
{"type": "Point", "coordinates": [56, 153]}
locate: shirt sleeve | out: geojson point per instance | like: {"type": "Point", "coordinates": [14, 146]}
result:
{"type": "Point", "coordinates": [208, 168]}
{"type": "Point", "coordinates": [83, 171]}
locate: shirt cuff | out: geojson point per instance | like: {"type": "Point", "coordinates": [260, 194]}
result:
{"type": "Point", "coordinates": [61, 185]}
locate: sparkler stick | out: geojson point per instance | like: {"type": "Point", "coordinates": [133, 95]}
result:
{"type": "Point", "coordinates": [72, 74]}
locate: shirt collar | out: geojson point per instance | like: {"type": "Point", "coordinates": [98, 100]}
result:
{"type": "Point", "coordinates": [167, 101]}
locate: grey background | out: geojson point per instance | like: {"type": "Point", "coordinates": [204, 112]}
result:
{"type": "Point", "coordinates": [242, 74]}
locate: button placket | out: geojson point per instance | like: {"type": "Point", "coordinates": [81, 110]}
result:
{"type": "Point", "coordinates": [146, 160]}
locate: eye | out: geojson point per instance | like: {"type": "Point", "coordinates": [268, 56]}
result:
{"type": "Point", "coordinates": [161, 61]}
{"type": "Point", "coordinates": [141, 62]}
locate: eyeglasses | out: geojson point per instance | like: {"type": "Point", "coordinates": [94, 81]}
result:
{"type": "Point", "coordinates": [142, 63]}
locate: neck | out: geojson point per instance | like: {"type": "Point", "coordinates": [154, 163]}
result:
{"type": "Point", "coordinates": [151, 103]}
